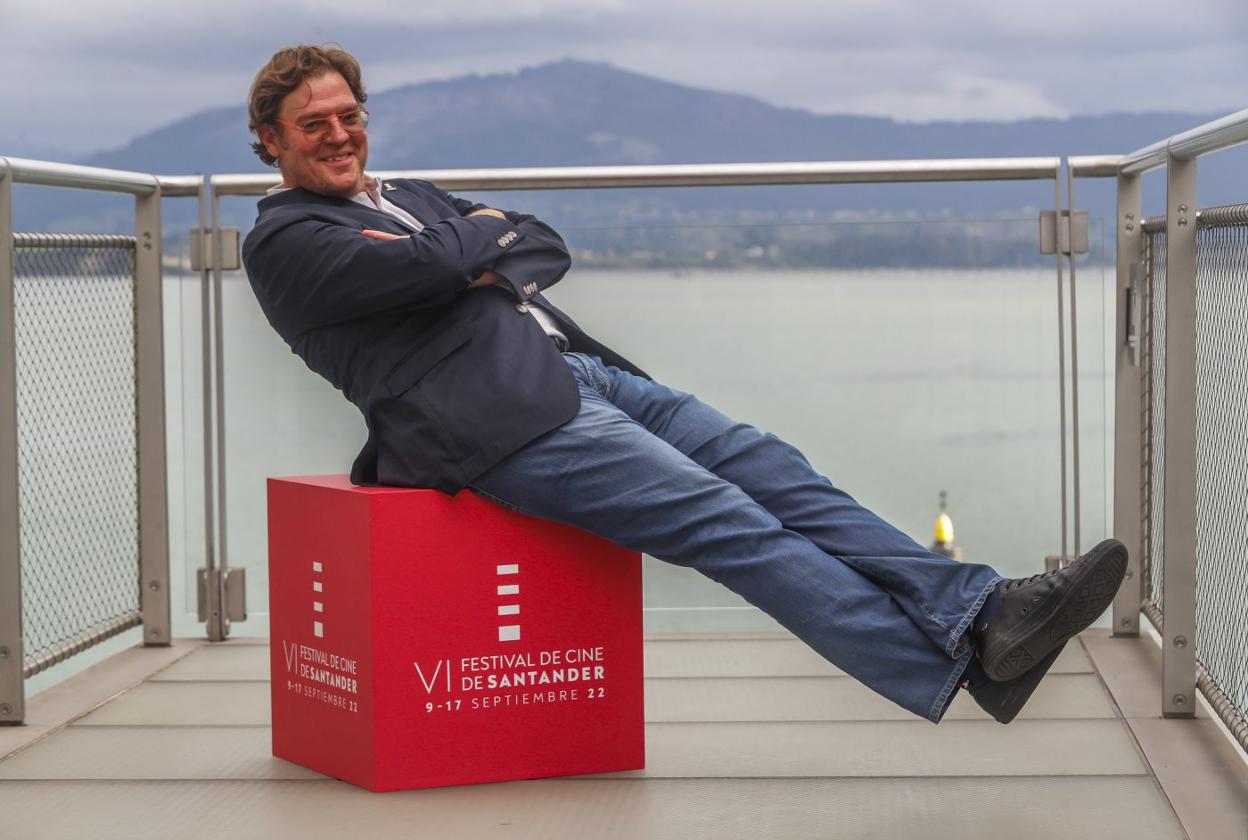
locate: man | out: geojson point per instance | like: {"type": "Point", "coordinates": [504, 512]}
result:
{"type": "Point", "coordinates": [426, 312]}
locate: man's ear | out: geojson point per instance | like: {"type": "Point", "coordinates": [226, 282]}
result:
{"type": "Point", "coordinates": [268, 138]}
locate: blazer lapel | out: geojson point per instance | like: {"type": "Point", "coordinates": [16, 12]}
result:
{"type": "Point", "coordinates": [428, 209]}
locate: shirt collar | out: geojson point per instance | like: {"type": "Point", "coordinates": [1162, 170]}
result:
{"type": "Point", "coordinates": [372, 189]}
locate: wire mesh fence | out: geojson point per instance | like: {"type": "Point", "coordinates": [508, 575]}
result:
{"type": "Point", "coordinates": [1222, 452]}
{"type": "Point", "coordinates": [1153, 397]}
{"type": "Point", "coordinates": [76, 424]}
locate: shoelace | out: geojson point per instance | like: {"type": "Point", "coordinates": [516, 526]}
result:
{"type": "Point", "coordinates": [1018, 583]}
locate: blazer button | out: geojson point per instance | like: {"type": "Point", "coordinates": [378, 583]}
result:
{"type": "Point", "coordinates": [521, 308]}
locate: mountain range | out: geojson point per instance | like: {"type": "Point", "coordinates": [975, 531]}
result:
{"type": "Point", "coordinates": [583, 113]}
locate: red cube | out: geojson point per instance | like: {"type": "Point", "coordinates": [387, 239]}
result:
{"type": "Point", "coordinates": [421, 640]}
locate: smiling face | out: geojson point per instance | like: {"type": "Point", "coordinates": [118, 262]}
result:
{"type": "Point", "coordinates": [332, 164]}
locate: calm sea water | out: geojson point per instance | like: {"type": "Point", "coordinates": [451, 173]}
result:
{"type": "Point", "coordinates": [897, 384]}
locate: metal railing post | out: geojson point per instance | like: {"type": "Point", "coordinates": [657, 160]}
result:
{"type": "Point", "coordinates": [149, 360]}
{"type": "Point", "coordinates": [12, 685]}
{"type": "Point", "coordinates": [1179, 580]}
{"type": "Point", "coordinates": [209, 595]}
{"type": "Point", "coordinates": [220, 629]}
{"type": "Point", "coordinates": [1061, 358]}
{"type": "Point", "coordinates": [1127, 425]}
{"type": "Point", "coordinates": [212, 579]}
{"type": "Point", "coordinates": [1072, 257]}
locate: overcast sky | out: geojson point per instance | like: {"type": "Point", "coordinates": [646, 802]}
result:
{"type": "Point", "coordinates": [77, 77]}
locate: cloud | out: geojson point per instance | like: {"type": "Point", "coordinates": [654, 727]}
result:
{"type": "Point", "coordinates": [95, 80]}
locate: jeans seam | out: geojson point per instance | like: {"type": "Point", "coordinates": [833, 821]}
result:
{"type": "Point", "coordinates": [958, 632]}
{"type": "Point", "coordinates": [928, 612]}
{"type": "Point", "coordinates": [497, 500]}
{"type": "Point", "coordinates": [589, 376]}
{"type": "Point", "coordinates": [597, 378]}
{"type": "Point", "coordinates": [940, 706]}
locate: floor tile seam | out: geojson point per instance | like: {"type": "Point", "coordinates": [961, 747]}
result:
{"type": "Point", "coordinates": [583, 779]}
{"type": "Point", "coordinates": [656, 638]}
{"type": "Point", "coordinates": [699, 638]}
{"type": "Point", "coordinates": [49, 731]}
{"type": "Point", "coordinates": [167, 781]}
{"type": "Point", "coordinates": [1066, 674]}
{"type": "Point", "coordinates": [648, 722]}
{"type": "Point", "coordinates": [82, 726]}
{"type": "Point", "coordinates": [899, 777]}
{"type": "Point", "coordinates": [654, 677]}
{"type": "Point", "coordinates": [911, 777]}
{"type": "Point", "coordinates": [176, 679]}
{"type": "Point", "coordinates": [1131, 733]}
{"type": "Point", "coordinates": [659, 638]}
{"type": "Point", "coordinates": [975, 720]}
{"type": "Point", "coordinates": [200, 682]}
{"type": "Point", "coordinates": [915, 723]}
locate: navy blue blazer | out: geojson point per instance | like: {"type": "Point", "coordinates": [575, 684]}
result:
{"type": "Point", "coordinates": [450, 380]}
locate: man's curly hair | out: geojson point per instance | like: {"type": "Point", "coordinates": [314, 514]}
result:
{"type": "Point", "coordinates": [289, 68]}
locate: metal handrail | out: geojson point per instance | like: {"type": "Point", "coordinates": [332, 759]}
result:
{"type": "Point", "coordinates": [1093, 166]}
{"type": "Point", "coordinates": [699, 175]}
{"type": "Point", "coordinates": [48, 174]}
{"type": "Point", "coordinates": [1213, 136]}
{"type": "Point", "coordinates": [179, 185]}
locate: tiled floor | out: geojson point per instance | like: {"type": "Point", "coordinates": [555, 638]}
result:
{"type": "Point", "coordinates": [746, 737]}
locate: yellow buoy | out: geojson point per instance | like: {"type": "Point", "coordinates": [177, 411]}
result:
{"type": "Point", "coordinates": [944, 530]}
{"type": "Point", "coordinates": [942, 539]}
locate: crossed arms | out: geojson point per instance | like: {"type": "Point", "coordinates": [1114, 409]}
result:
{"type": "Point", "coordinates": [312, 267]}
{"type": "Point", "coordinates": [487, 278]}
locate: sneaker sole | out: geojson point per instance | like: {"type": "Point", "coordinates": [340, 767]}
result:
{"type": "Point", "coordinates": [1004, 700]}
{"type": "Point", "coordinates": [1092, 589]}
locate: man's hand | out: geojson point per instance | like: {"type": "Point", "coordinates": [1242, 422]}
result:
{"type": "Point", "coordinates": [489, 278]}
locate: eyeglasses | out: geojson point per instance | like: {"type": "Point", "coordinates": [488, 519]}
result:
{"type": "Point", "coordinates": [317, 129]}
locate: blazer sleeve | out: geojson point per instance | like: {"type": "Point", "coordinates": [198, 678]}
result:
{"type": "Point", "coordinates": [529, 266]}
{"type": "Point", "coordinates": [310, 272]}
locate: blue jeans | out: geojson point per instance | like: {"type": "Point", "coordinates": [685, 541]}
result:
{"type": "Point", "coordinates": [660, 472]}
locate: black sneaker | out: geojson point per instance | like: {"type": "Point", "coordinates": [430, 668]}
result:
{"type": "Point", "coordinates": [1004, 700]}
{"type": "Point", "coordinates": [1038, 614]}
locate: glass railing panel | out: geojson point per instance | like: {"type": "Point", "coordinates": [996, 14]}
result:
{"type": "Point", "coordinates": [935, 373]}
{"type": "Point", "coordinates": [897, 382]}
{"type": "Point", "coordinates": [182, 301]}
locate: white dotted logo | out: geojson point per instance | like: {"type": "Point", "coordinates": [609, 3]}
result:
{"type": "Point", "coordinates": [511, 591]}
{"type": "Point", "coordinates": [318, 606]}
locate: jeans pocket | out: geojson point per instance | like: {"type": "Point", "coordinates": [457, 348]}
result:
{"type": "Point", "coordinates": [593, 373]}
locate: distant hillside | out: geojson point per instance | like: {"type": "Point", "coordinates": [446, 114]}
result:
{"type": "Point", "coordinates": [578, 113]}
